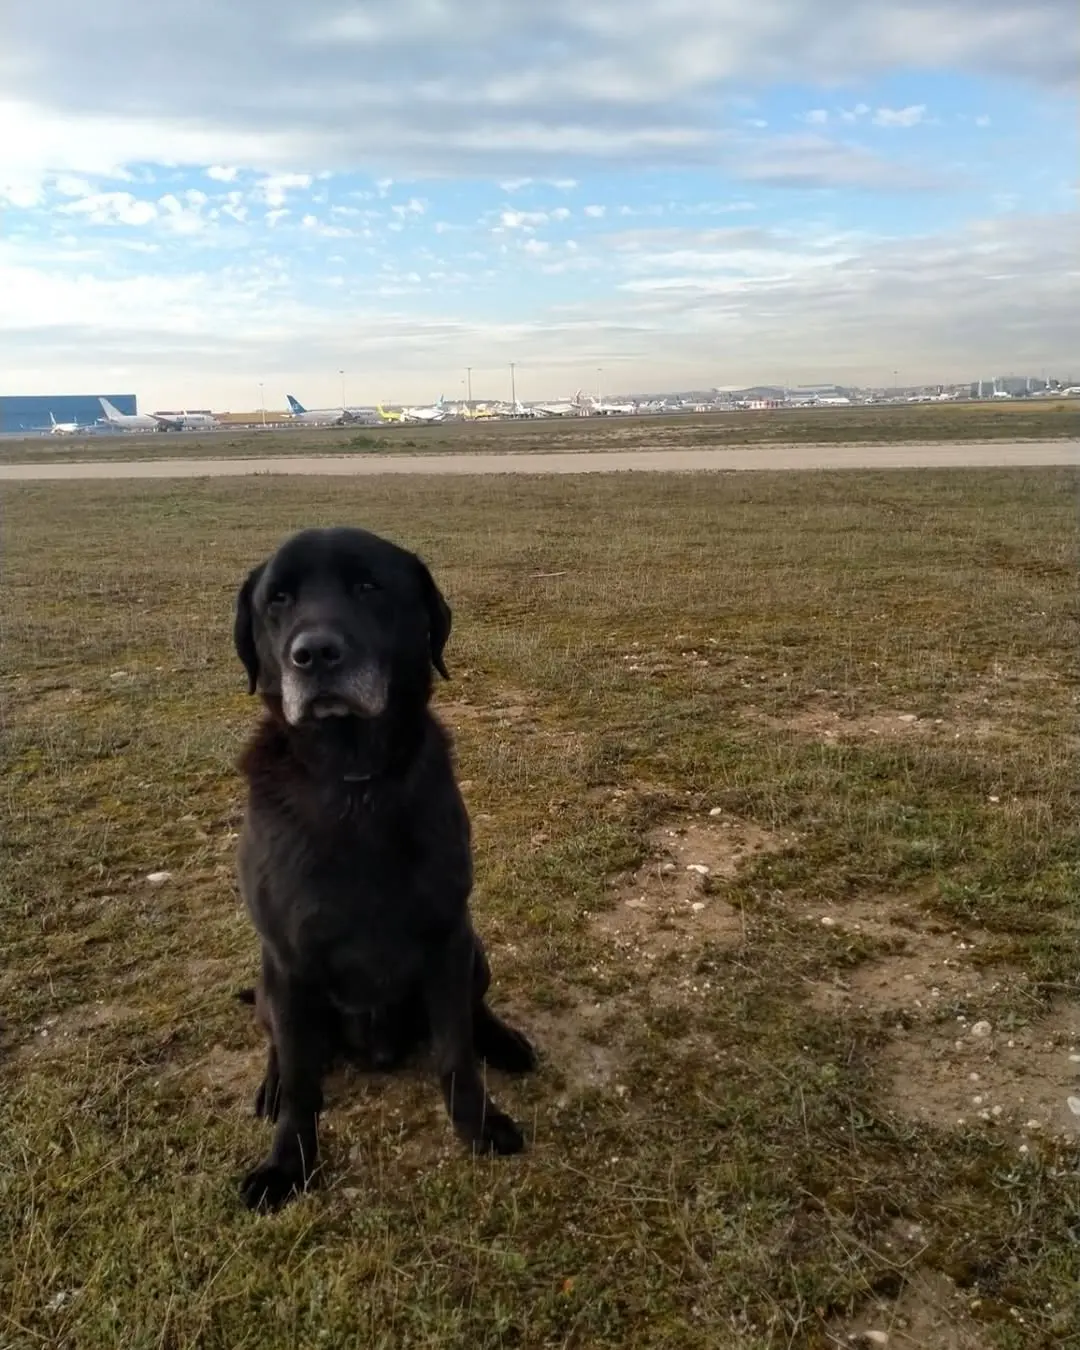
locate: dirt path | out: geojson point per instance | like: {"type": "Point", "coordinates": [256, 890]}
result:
{"type": "Point", "coordinates": [970, 455]}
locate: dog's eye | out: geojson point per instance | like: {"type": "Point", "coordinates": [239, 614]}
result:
{"type": "Point", "coordinates": [365, 584]}
{"type": "Point", "coordinates": [279, 599]}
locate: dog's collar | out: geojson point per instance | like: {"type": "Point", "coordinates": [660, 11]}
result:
{"type": "Point", "coordinates": [357, 777]}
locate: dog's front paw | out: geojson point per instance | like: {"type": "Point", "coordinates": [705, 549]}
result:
{"type": "Point", "coordinates": [498, 1134]}
{"type": "Point", "coordinates": [515, 1053]}
{"type": "Point", "coordinates": [270, 1185]}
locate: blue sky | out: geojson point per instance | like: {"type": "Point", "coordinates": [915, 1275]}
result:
{"type": "Point", "coordinates": [199, 198]}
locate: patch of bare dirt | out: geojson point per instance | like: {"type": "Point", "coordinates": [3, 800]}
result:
{"type": "Point", "coordinates": [229, 1076]}
{"type": "Point", "coordinates": [929, 1314]}
{"type": "Point", "coordinates": [946, 1061]}
{"type": "Point", "coordinates": [832, 725]}
{"type": "Point", "coordinates": [1022, 1079]}
{"type": "Point", "coordinates": [579, 1045]}
{"type": "Point", "coordinates": [670, 905]}
{"type": "Point", "coordinates": [914, 965]}
{"type": "Point", "coordinates": [511, 708]}
{"type": "Point", "coordinates": [64, 1032]}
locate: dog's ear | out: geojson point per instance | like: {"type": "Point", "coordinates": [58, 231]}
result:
{"type": "Point", "coordinates": [244, 627]}
{"type": "Point", "coordinates": [438, 612]}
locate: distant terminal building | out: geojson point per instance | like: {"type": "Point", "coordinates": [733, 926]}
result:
{"type": "Point", "coordinates": [37, 412]}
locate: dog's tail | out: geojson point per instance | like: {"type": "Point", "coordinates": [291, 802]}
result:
{"type": "Point", "coordinates": [247, 994]}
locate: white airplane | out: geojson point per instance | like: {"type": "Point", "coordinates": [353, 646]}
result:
{"type": "Point", "coordinates": [316, 417]}
{"type": "Point", "coordinates": [602, 409]}
{"type": "Point", "coordinates": [436, 413]}
{"type": "Point", "coordinates": [561, 407]}
{"type": "Point", "coordinates": [182, 421]}
{"type": "Point", "coordinates": [516, 409]}
{"type": "Point", "coordinates": [63, 428]}
{"type": "Point", "coordinates": [127, 421]}
{"type": "Point", "coordinates": [186, 421]}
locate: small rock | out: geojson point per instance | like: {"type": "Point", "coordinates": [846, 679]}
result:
{"type": "Point", "coordinates": [828, 921]}
{"type": "Point", "coordinates": [1074, 1059]}
{"type": "Point", "coordinates": [157, 878]}
{"type": "Point", "coordinates": [699, 868]}
{"type": "Point", "coordinates": [981, 1030]}
{"type": "Point", "coordinates": [667, 868]}
{"type": "Point", "coordinates": [876, 1337]}
{"type": "Point", "coordinates": [1033, 1124]}
{"type": "Point", "coordinates": [697, 906]}
{"type": "Point", "coordinates": [716, 811]}
{"type": "Point", "coordinates": [906, 717]}
{"type": "Point", "coordinates": [995, 800]}
{"type": "Point", "coordinates": [1073, 1105]}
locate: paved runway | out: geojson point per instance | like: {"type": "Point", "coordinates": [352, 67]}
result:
{"type": "Point", "coordinates": [946, 455]}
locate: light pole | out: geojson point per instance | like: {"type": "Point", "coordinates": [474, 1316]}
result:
{"type": "Point", "coordinates": [468, 385]}
{"type": "Point", "coordinates": [342, 374]}
{"type": "Point", "coordinates": [513, 387]}
{"type": "Point", "coordinates": [599, 372]}
{"type": "Point", "coordinates": [262, 403]}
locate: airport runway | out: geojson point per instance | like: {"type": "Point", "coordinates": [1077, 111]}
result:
{"type": "Point", "coordinates": [945, 455]}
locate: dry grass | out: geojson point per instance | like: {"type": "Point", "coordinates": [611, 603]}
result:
{"type": "Point", "coordinates": [887, 424]}
{"type": "Point", "coordinates": [719, 1153]}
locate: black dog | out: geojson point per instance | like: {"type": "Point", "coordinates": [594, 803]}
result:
{"type": "Point", "coordinates": [355, 858]}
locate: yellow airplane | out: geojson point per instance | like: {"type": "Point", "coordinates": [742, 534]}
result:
{"type": "Point", "coordinates": [388, 415]}
{"type": "Point", "coordinates": [475, 414]}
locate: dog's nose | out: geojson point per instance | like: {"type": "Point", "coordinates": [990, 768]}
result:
{"type": "Point", "coordinates": [315, 650]}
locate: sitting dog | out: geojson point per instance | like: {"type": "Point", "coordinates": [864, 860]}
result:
{"type": "Point", "coordinates": [355, 858]}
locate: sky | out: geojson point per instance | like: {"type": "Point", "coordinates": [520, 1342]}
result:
{"type": "Point", "coordinates": [209, 205]}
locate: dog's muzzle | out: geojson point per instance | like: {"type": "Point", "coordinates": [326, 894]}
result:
{"type": "Point", "coordinates": [361, 692]}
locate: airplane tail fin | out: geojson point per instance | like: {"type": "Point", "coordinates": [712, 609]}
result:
{"type": "Point", "coordinates": [52, 419]}
{"type": "Point", "coordinates": [108, 409]}
{"type": "Point", "coordinates": [295, 405]}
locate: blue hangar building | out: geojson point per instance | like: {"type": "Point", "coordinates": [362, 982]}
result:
{"type": "Point", "coordinates": [31, 413]}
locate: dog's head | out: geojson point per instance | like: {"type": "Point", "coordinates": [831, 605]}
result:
{"type": "Point", "coordinates": [337, 623]}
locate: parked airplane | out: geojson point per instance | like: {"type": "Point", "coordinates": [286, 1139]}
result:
{"type": "Point", "coordinates": [435, 413]}
{"type": "Point", "coordinates": [602, 409]}
{"type": "Point", "coordinates": [562, 407]}
{"type": "Point", "coordinates": [63, 428]}
{"type": "Point", "coordinates": [127, 421]}
{"type": "Point", "coordinates": [316, 417]}
{"type": "Point", "coordinates": [187, 421]}
{"type": "Point", "coordinates": [516, 409]}
{"type": "Point", "coordinates": [477, 413]}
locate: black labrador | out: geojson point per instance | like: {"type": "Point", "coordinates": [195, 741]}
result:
{"type": "Point", "coordinates": [355, 859]}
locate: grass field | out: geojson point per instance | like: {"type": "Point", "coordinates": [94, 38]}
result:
{"type": "Point", "coordinates": [1035, 420]}
{"type": "Point", "coordinates": [816, 1090]}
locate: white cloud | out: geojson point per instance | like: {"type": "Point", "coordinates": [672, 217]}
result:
{"type": "Point", "coordinates": [67, 185]}
{"type": "Point", "coordinates": [24, 195]}
{"type": "Point", "coordinates": [596, 211]}
{"type": "Point", "coordinates": [522, 220]}
{"type": "Point", "coordinates": [535, 246]}
{"type": "Point", "coordinates": [415, 206]}
{"type": "Point", "coordinates": [900, 117]}
{"type": "Point", "coordinates": [257, 88]}
{"type": "Point", "coordinates": [275, 188]}
{"type": "Point", "coordinates": [221, 173]}
{"type": "Point", "coordinates": [816, 116]}
{"type": "Point", "coordinates": [854, 114]}
{"type": "Point", "coordinates": [112, 208]}
{"type": "Point", "coordinates": [560, 213]}
{"type": "Point", "coordinates": [748, 305]}
{"type": "Point", "coordinates": [982, 120]}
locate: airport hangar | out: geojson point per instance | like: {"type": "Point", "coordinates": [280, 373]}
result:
{"type": "Point", "coordinates": [31, 413]}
